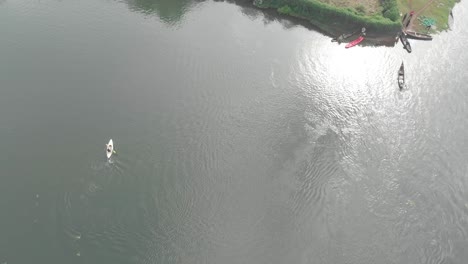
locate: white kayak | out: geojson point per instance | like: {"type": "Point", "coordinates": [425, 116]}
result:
{"type": "Point", "coordinates": [110, 149]}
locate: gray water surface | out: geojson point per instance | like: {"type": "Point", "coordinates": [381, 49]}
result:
{"type": "Point", "coordinates": [240, 138]}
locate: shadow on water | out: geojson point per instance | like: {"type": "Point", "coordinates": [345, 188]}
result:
{"type": "Point", "coordinates": [172, 12]}
{"type": "Point", "coordinates": [169, 11]}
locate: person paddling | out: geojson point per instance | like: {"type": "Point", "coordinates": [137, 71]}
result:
{"type": "Point", "coordinates": [109, 148]}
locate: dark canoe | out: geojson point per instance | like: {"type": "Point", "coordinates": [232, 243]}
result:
{"type": "Point", "coordinates": [344, 36]}
{"type": "Point", "coordinates": [406, 20]}
{"type": "Point", "coordinates": [417, 35]}
{"type": "Point", "coordinates": [401, 76]}
{"type": "Point", "coordinates": [405, 42]}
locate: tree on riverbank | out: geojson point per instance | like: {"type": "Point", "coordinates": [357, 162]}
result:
{"type": "Point", "coordinates": [327, 15]}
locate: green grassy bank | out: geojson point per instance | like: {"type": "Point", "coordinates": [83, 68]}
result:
{"type": "Point", "coordinates": [329, 18]}
{"type": "Point", "coordinates": [438, 10]}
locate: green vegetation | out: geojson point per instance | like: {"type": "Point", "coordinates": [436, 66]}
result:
{"type": "Point", "coordinates": [361, 9]}
{"type": "Point", "coordinates": [323, 15]}
{"type": "Point", "coordinates": [390, 10]}
{"type": "Point", "coordinates": [285, 10]}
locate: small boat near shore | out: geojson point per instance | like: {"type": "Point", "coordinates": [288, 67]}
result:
{"type": "Point", "coordinates": [354, 42]}
{"type": "Point", "coordinates": [417, 35]}
{"type": "Point", "coordinates": [405, 42]}
{"type": "Point", "coordinates": [343, 36]}
{"type": "Point", "coordinates": [406, 20]}
{"type": "Point", "coordinates": [401, 76]}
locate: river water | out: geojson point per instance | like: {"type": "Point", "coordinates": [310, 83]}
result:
{"type": "Point", "coordinates": [240, 138]}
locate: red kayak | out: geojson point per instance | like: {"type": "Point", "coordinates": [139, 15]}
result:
{"type": "Point", "coordinates": [355, 42]}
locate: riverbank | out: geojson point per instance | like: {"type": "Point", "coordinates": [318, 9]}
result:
{"type": "Point", "coordinates": [436, 10]}
{"type": "Point", "coordinates": [381, 18]}
{"type": "Point", "coordinates": [333, 19]}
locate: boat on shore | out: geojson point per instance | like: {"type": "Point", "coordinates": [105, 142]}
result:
{"type": "Point", "coordinates": [406, 20]}
{"type": "Point", "coordinates": [405, 42]}
{"type": "Point", "coordinates": [344, 36]}
{"type": "Point", "coordinates": [401, 76]}
{"type": "Point", "coordinates": [354, 42]}
{"type": "Point", "coordinates": [417, 35]}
